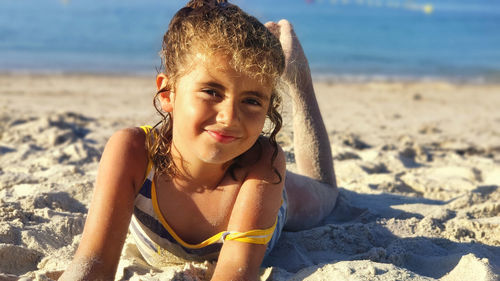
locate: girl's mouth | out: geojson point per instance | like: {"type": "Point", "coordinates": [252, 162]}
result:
{"type": "Point", "coordinates": [220, 137]}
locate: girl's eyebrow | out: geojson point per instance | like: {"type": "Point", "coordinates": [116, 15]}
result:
{"type": "Point", "coordinates": [258, 95]}
{"type": "Point", "coordinates": [221, 87]}
{"type": "Point", "coordinates": [213, 85]}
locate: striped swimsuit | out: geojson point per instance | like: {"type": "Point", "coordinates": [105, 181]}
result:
{"type": "Point", "coordinates": [160, 245]}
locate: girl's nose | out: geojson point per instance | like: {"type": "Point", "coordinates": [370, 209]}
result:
{"type": "Point", "coordinates": [227, 113]}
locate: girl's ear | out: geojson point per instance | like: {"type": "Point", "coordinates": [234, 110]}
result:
{"type": "Point", "coordinates": [161, 81]}
{"type": "Point", "coordinates": [166, 97]}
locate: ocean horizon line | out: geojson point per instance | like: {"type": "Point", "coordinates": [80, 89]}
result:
{"type": "Point", "coordinates": [326, 77]}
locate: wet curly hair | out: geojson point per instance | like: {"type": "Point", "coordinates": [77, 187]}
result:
{"type": "Point", "coordinates": [216, 27]}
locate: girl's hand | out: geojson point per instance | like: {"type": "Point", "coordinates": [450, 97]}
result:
{"type": "Point", "coordinates": [297, 70]}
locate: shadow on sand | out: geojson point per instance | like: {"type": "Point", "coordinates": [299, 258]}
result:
{"type": "Point", "coordinates": [352, 232]}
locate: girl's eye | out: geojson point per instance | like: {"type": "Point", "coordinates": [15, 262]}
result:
{"type": "Point", "coordinates": [210, 92]}
{"type": "Point", "coordinates": [253, 102]}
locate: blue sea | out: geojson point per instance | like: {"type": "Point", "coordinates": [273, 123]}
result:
{"type": "Point", "coordinates": [345, 39]}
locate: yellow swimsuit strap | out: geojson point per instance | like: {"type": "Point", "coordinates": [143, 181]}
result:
{"type": "Point", "coordinates": [257, 236]}
{"type": "Point", "coordinates": [146, 129]}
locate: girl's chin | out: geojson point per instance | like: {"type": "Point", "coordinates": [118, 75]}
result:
{"type": "Point", "coordinates": [217, 158]}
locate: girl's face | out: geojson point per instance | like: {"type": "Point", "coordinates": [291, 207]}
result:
{"type": "Point", "coordinates": [218, 113]}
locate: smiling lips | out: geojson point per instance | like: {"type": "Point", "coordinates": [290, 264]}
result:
{"type": "Point", "coordinates": [221, 136]}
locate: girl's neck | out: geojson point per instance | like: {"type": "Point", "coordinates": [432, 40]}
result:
{"type": "Point", "coordinates": [198, 175]}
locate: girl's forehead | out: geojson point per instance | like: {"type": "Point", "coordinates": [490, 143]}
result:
{"type": "Point", "coordinates": [214, 64]}
{"type": "Point", "coordinates": [218, 68]}
{"type": "Point", "coordinates": [223, 62]}
{"type": "Point", "coordinates": [201, 57]}
{"type": "Point", "coordinates": [217, 61]}
{"type": "Point", "coordinates": [209, 60]}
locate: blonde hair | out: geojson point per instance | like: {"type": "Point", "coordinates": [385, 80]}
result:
{"type": "Point", "coordinates": [216, 27]}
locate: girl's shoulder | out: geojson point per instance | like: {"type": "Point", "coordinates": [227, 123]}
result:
{"type": "Point", "coordinates": [126, 148]}
{"type": "Point", "coordinates": [266, 160]}
{"type": "Point", "coordinates": [130, 139]}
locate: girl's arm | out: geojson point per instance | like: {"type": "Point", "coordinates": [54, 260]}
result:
{"type": "Point", "coordinates": [256, 207]}
{"type": "Point", "coordinates": [121, 171]}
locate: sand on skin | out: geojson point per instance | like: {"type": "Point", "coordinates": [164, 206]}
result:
{"type": "Point", "coordinates": [418, 164]}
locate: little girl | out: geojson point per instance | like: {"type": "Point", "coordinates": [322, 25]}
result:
{"type": "Point", "coordinates": [205, 183]}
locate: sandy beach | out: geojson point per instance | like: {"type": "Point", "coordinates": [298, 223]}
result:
{"type": "Point", "coordinates": [417, 163]}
